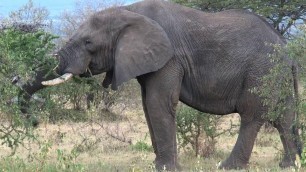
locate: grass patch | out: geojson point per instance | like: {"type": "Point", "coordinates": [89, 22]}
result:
{"type": "Point", "coordinates": [87, 147]}
{"type": "Point", "coordinates": [142, 146]}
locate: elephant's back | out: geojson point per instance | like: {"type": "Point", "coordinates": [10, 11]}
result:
{"type": "Point", "coordinates": [190, 30]}
{"type": "Point", "coordinates": [227, 39]}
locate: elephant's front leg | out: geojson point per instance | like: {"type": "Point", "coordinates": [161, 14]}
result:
{"type": "Point", "coordinates": [161, 94]}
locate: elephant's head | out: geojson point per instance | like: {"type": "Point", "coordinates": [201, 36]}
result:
{"type": "Point", "coordinates": [122, 43]}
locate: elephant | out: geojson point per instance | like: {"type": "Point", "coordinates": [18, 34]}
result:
{"type": "Point", "coordinates": [209, 61]}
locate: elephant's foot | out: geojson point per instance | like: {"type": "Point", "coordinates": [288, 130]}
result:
{"type": "Point", "coordinates": [230, 164]}
{"type": "Point", "coordinates": [287, 162]}
{"type": "Point", "coordinates": [163, 166]}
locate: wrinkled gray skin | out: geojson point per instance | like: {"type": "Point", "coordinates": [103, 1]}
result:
{"type": "Point", "coordinates": [208, 61]}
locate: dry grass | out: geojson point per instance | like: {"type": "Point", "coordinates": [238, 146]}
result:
{"type": "Point", "coordinates": [99, 151]}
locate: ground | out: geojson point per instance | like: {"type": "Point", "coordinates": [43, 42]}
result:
{"type": "Point", "coordinates": [111, 145]}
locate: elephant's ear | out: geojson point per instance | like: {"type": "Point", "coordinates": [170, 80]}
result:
{"type": "Point", "coordinates": [142, 47]}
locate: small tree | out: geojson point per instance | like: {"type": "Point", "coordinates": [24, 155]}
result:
{"type": "Point", "coordinates": [21, 53]}
{"type": "Point", "coordinates": [24, 48]}
{"type": "Point", "coordinates": [198, 130]}
{"type": "Point", "coordinates": [29, 14]}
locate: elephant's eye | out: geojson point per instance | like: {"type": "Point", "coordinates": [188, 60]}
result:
{"type": "Point", "coordinates": [87, 42]}
{"type": "Point", "coordinates": [89, 46]}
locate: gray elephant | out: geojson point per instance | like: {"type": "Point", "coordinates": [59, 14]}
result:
{"type": "Point", "coordinates": [208, 61]}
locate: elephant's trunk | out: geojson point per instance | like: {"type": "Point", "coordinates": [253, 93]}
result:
{"type": "Point", "coordinates": [58, 80]}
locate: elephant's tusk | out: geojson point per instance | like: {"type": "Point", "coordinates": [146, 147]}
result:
{"type": "Point", "coordinates": [88, 70]}
{"type": "Point", "coordinates": [58, 80]}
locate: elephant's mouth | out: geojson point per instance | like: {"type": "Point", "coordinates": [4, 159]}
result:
{"type": "Point", "coordinates": [90, 71]}
{"type": "Point", "coordinates": [67, 75]}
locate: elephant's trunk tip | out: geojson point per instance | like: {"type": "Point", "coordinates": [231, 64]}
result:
{"type": "Point", "coordinates": [58, 80]}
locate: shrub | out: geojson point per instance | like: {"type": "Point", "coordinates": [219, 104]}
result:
{"type": "Point", "coordinates": [142, 146]}
{"type": "Point", "coordinates": [198, 130]}
{"type": "Point", "coordinates": [271, 90]}
{"type": "Point", "coordinates": [295, 49]}
{"type": "Point", "coordinates": [303, 157]}
{"type": "Point", "coordinates": [25, 48]}
{"type": "Point", "coordinates": [21, 54]}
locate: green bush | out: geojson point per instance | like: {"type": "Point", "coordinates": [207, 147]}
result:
{"type": "Point", "coordinates": [272, 91]}
{"type": "Point", "coordinates": [295, 49]}
{"type": "Point", "coordinates": [198, 130]}
{"type": "Point", "coordinates": [142, 146]}
{"type": "Point", "coordinates": [21, 54]}
{"type": "Point", "coordinates": [25, 48]}
{"type": "Point", "coordinates": [65, 161]}
{"type": "Point", "coordinates": [303, 157]}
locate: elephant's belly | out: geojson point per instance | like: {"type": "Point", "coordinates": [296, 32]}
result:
{"type": "Point", "coordinates": [209, 101]}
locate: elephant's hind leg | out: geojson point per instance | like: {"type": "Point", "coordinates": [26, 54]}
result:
{"type": "Point", "coordinates": [290, 149]}
{"type": "Point", "coordinates": [250, 111]}
{"type": "Point", "coordinates": [290, 138]}
{"type": "Point", "coordinates": [240, 155]}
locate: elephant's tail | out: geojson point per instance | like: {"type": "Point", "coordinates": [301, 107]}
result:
{"type": "Point", "coordinates": [296, 125]}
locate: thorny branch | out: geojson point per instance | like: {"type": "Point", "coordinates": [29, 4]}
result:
{"type": "Point", "coordinates": [116, 135]}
